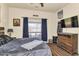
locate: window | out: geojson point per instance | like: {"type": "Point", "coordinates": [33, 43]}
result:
{"type": "Point", "coordinates": [34, 29]}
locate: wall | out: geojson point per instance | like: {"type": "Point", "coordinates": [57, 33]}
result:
{"type": "Point", "coordinates": [0, 14]}
{"type": "Point", "coordinates": [19, 13]}
{"type": "Point", "coordinates": [69, 11]}
{"type": "Point", "coordinates": [4, 16]}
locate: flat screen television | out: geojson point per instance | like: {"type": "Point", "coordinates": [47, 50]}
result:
{"type": "Point", "coordinates": [68, 22]}
{"type": "Point", "coordinates": [59, 28]}
{"type": "Point", "coordinates": [74, 21]}
{"type": "Point", "coordinates": [63, 23]}
{"type": "Point", "coordinates": [71, 22]}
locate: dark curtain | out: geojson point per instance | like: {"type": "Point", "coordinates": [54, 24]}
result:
{"type": "Point", "coordinates": [44, 29]}
{"type": "Point", "coordinates": [25, 27]}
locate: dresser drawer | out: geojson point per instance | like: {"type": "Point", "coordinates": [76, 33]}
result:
{"type": "Point", "coordinates": [68, 42]}
{"type": "Point", "coordinates": [66, 47]}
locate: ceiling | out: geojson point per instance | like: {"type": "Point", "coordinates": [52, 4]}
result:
{"type": "Point", "coordinates": [50, 7]}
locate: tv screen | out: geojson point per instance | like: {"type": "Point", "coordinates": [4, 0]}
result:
{"type": "Point", "coordinates": [74, 21]}
{"type": "Point", "coordinates": [68, 22]}
{"type": "Point", "coordinates": [71, 22]}
{"type": "Point", "coordinates": [59, 28]}
{"type": "Point", "coordinates": [62, 23]}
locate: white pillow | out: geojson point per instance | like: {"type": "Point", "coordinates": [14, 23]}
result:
{"type": "Point", "coordinates": [31, 44]}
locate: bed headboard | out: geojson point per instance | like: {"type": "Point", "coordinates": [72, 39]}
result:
{"type": "Point", "coordinates": [1, 30]}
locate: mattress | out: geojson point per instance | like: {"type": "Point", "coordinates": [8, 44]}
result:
{"type": "Point", "coordinates": [13, 48]}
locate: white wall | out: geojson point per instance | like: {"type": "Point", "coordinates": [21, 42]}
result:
{"type": "Point", "coordinates": [19, 13]}
{"type": "Point", "coordinates": [69, 11]}
{"type": "Point", "coordinates": [0, 14]}
{"type": "Point", "coordinates": [4, 16]}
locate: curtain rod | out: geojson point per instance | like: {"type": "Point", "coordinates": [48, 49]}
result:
{"type": "Point", "coordinates": [35, 18]}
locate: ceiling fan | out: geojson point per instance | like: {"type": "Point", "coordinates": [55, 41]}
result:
{"type": "Point", "coordinates": [42, 4]}
{"type": "Point", "coordinates": [37, 4]}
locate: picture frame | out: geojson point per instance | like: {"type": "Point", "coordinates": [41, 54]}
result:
{"type": "Point", "coordinates": [2, 31]}
{"type": "Point", "coordinates": [16, 22]}
{"type": "Point", "coordinates": [60, 14]}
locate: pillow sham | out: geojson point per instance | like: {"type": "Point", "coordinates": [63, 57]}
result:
{"type": "Point", "coordinates": [4, 39]}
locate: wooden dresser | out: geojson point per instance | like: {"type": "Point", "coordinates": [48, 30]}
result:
{"type": "Point", "coordinates": [57, 51]}
{"type": "Point", "coordinates": [68, 42]}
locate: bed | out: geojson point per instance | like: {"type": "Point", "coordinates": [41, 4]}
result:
{"type": "Point", "coordinates": [12, 47]}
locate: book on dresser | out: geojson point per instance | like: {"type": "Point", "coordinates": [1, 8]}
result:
{"type": "Point", "coordinates": [68, 42]}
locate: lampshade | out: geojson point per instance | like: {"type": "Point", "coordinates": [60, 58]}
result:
{"type": "Point", "coordinates": [10, 30]}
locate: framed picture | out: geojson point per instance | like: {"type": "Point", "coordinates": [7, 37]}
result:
{"type": "Point", "coordinates": [60, 14]}
{"type": "Point", "coordinates": [2, 31]}
{"type": "Point", "coordinates": [16, 22]}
